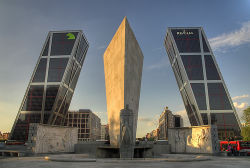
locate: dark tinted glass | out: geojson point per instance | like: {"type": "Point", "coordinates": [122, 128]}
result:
{"type": "Point", "coordinates": [178, 74]}
{"type": "Point", "coordinates": [75, 79]}
{"type": "Point", "coordinates": [217, 97]}
{"type": "Point", "coordinates": [34, 99]}
{"type": "Point", "coordinates": [199, 94]}
{"type": "Point", "coordinates": [177, 121]}
{"type": "Point", "coordinates": [71, 73]}
{"type": "Point", "coordinates": [20, 133]}
{"type": "Point", "coordinates": [46, 49]}
{"type": "Point", "coordinates": [178, 78]}
{"type": "Point", "coordinates": [193, 66]}
{"type": "Point", "coordinates": [205, 47]}
{"type": "Point", "coordinates": [225, 121]}
{"type": "Point", "coordinates": [170, 49]}
{"type": "Point", "coordinates": [40, 71]}
{"type": "Point", "coordinates": [82, 47]}
{"type": "Point", "coordinates": [61, 97]}
{"type": "Point", "coordinates": [56, 69]}
{"type": "Point", "coordinates": [212, 73]}
{"type": "Point", "coordinates": [29, 118]}
{"type": "Point", "coordinates": [189, 108]}
{"type": "Point", "coordinates": [62, 43]}
{"type": "Point", "coordinates": [204, 118]}
{"type": "Point", "coordinates": [187, 40]}
{"type": "Point", "coordinates": [65, 104]}
{"type": "Point", "coordinates": [51, 93]}
{"type": "Point", "coordinates": [46, 118]}
{"type": "Point", "coordinates": [58, 120]}
{"type": "Point", "coordinates": [21, 129]}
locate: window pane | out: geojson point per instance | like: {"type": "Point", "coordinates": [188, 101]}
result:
{"type": "Point", "coordinates": [193, 66]}
{"type": "Point", "coordinates": [187, 40]}
{"type": "Point", "coordinates": [212, 73]}
{"type": "Point", "coordinates": [28, 118]}
{"type": "Point", "coordinates": [205, 47]}
{"type": "Point", "coordinates": [34, 99]}
{"type": "Point", "coordinates": [170, 49]}
{"type": "Point", "coordinates": [189, 109]}
{"type": "Point", "coordinates": [57, 67]}
{"type": "Point", "coordinates": [177, 121]}
{"type": "Point", "coordinates": [75, 79]}
{"type": "Point", "coordinates": [70, 72]}
{"type": "Point", "coordinates": [217, 97]}
{"type": "Point", "coordinates": [51, 93]}
{"type": "Point", "coordinates": [40, 71]}
{"type": "Point", "coordinates": [225, 122]}
{"type": "Point", "coordinates": [62, 43]}
{"type": "Point", "coordinates": [45, 51]}
{"type": "Point", "coordinates": [21, 129]}
{"type": "Point", "coordinates": [62, 94]}
{"type": "Point", "coordinates": [204, 118]}
{"type": "Point", "coordinates": [46, 118]}
{"type": "Point", "coordinates": [199, 94]}
{"type": "Point", "coordinates": [58, 120]}
{"type": "Point", "coordinates": [83, 50]}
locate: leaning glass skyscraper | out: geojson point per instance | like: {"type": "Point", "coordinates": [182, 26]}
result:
{"type": "Point", "coordinates": [203, 90]}
{"type": "Point", "coordinates": [52, 83]}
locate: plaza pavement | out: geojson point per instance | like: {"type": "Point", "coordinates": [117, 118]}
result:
{"type": "Point", "coordinates": [171, 160]}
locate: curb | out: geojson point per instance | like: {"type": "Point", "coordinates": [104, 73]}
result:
{"type": "Point", "coordinates": [68, 160]}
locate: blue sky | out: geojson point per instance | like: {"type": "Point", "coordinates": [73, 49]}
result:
{"type": "Point", "coordinates": [24, 26]}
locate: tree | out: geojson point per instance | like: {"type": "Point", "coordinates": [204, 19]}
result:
{"type": "Point", "coordinates": [245, 131]}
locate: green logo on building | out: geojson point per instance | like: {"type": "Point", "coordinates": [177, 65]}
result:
{"type": "Point", "coordinates": [71, 36]}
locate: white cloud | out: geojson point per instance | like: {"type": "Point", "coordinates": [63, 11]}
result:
{"type": "Point", "coordinates": [240, 97]}
{"type": "Point", "coordinates": [242, 105]}
{"type": "Point", "coordinates": [161, 64]}
{"type": "Point", "coordinates": [144, 119]}
{"type": "Point", "coordinates": [101, 47]}
{"type": "Point", "coordinates": [151, 122]}
{"type": "Point", "coordinates": [232, 39]}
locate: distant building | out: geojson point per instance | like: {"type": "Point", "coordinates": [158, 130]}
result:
{"type": "Point", "coordinates": [168, 120]}
{"type": "Point", "coordinates": [104, 132]}
{"type": "Point", "coordinates": [153, 135]}
{"type": "Point", "coordinates": [88, 123]}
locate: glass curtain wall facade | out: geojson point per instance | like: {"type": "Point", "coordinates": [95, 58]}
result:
{"type": "Point", "coordinates": [52, 83]}
{"type": "Point", "coordinates": [203, 90]}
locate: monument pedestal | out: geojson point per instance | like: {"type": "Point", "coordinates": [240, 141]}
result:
{"type": "Point", "coordinates": [127, 140]}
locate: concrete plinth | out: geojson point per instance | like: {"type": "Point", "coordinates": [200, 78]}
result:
{"type": "Point", "coordinates": [126, 134]}
{"type": "Point", "coordinates": [98, 149]}
{"type": "Point", "coordinates": [196, 139]}
{"type": "Point", "coordinates": [52, 139]}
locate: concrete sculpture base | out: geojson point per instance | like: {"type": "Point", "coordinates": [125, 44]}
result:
{"type": "Point", "coordinates": [196, 139]}
{"type": "Point", "coordinates": [142, 149]}
{"type": "Point", "coordinates": [126, 134]}
{"type": "Point", "coordinates": [52, 139]}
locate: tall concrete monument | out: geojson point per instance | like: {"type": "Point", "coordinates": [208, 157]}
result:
{"type": "Point", "coordinates": [123, 61]}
